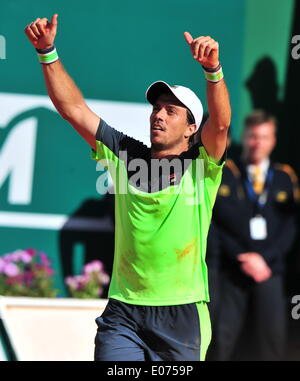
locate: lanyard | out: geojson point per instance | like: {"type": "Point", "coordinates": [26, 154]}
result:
{"type": "Point", "coordinates": [259, 200]}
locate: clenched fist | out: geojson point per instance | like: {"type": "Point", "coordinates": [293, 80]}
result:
{"type": "Point", "coordinates": [41, 32]}
{"type": "Point", "coordinates": [205, 50]}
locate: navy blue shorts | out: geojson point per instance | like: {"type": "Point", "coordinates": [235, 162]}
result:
{"type": "Point", "coordinates": [128, 332]}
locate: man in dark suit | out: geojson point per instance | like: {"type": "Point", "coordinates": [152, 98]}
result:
{"type": "Point", "coordinates": [254, 219]}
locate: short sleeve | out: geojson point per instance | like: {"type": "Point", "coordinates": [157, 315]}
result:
{"type": "Point", "coordinates": [114, 145]}
{"type": "Point", "coordinates": [212, 167]}
{"type": "Point", "coordinates": [107, 142]}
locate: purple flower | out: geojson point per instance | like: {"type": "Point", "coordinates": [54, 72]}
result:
{"type": "Point", "coordinates": [93, 266]}
{"type": "Point", "coordinates": [10, 269]}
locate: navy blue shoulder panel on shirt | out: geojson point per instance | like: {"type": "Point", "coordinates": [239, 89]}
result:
{"type": "Point", "coordinates": [116, 141]}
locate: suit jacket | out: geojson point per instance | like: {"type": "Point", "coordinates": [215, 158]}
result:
{"type": "Point", "coordinates": [234, 208]}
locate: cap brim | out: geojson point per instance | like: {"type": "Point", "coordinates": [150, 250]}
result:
{"type": "Point", "coordinates": [156, 89]}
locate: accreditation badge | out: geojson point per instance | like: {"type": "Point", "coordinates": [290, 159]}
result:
{"type": "Point", "coordinates": [258, 228]}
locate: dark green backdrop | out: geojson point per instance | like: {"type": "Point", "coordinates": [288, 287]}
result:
{"type": "Point", "coordinates": [114, 50]}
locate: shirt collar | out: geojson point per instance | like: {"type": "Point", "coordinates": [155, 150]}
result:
{"type": "Point", "coordinates": [264, 165]}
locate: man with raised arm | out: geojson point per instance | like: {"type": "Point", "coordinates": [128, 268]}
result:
{"type": "Point", "coordinates": [158, 293]}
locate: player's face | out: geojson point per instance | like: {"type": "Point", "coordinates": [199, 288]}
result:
{"type": "Point", "coordinates": [168, 123]}
{"type": "Point", "coordinates": [259, 141]}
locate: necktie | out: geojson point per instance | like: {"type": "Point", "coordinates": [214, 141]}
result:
{"type": "Point", "coordinates": [258, 184]}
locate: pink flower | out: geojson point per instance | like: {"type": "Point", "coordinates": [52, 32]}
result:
{"type": "Point", "coordinates": [21, 255]}
{"type": "Point", "coordinates": [18, 256]}
{"type": "Point", "coordinates": [13, 257]}
{"type": "Point", "coordinates": [31, 252]}
{"type": "Point", "coordinates": [46, 269]}
{"type": "Point", "coordinates": [25, 257]}
{"type": "Point", "coordinates": [90, 282]}
{"type": "Point", "coordinates": [7, 257]}
{"type": "Point", "coordinates": [49, 271]}
{"type": "Point", "coordinates": [38, 267]}
{"type": "Point", "coordinates": [44, 259]}
{"type": "Point", "coordinates": [82, 281]}
{"type": "Point", "coordinates": [26, 273]}
{"type": "Point", "coordinates": [104, 278]}
{"type": "Point", "coordinates": [28, 278]}
{"type": "Point", "coordinates": [2, 265]}
{"type": "Point", "coordinates": [71, 282]}
{"type": "Point", "coordinates": [11, 270]}
{"type": "Point", "coordinates": [93, 266]}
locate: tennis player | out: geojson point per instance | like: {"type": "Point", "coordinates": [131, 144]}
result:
{"type": "Point", "coordinates": [157, 308]}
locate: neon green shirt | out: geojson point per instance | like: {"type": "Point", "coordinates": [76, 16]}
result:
{"type": "Point", "coordinates": [160, 236]}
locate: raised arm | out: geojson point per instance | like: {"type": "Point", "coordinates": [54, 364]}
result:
{"type": "Point", "coordinates": [62, 90]}
{"type": "Point", "coordinates": [205, 50]}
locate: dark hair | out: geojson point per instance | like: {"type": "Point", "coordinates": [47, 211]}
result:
{"type": "Point", "coordinates": [257, 117]}
{"type": "Point", "coordinates": [190, 120]}
{"type": "Point", "coordinates": [190, 117]}
{"type": "Point", "coordinates": [197, 135]}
